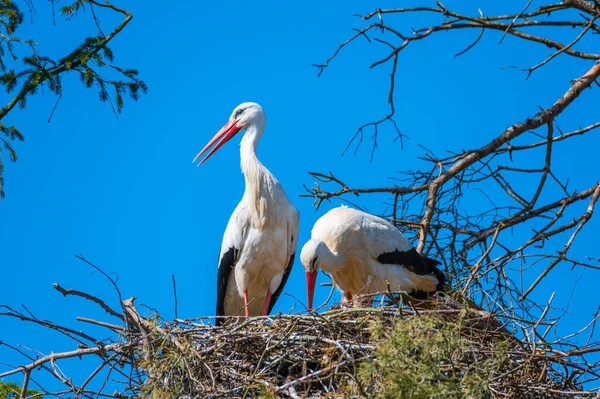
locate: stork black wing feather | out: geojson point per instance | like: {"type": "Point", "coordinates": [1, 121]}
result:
{"type": "Point", "coordinates": [226, 264]}
{"type": "Point", "coordinates": [433, 265]}
{"type": "Point", "coordinates": [416, 263]}
{"type": "Point", "coordinates": [286, 274]}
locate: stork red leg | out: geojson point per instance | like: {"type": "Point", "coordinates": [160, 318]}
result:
{"type": "Point", "coordinates": [265, 310]}
{"type": "Point", "coordinates": [246, 303]}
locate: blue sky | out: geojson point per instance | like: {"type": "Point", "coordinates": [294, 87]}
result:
{"type": "Point", "coordinates": [125, 194]}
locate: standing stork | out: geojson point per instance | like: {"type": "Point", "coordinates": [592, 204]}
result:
{"type": "Point", "coordinates": [260, 240]}
{"type": "Point", "coordinates": [365, 254]}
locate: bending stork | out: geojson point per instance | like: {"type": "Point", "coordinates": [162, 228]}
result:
{"type": "Point", "coordinates": [365, 254]}
{"type": "Point", "coordinates": [260, 240]}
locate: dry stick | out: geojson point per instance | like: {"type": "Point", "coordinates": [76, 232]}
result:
{"type": "Point", "coordinates": [539, 320]}
{"type": "Point", "coordinates": [89, 297]}
{"type": "Point", "coordinates": [345, 189]}
{"type": "Point", "coordinates": [137, 320]}
{"type": "Point", "coordinates": [109, 278]}
{"type": "Point", "coordinates": [25, 383]}
{"type": "Point", "coordinates": [94, 373]}
{"type": "Point", "coordinates": [509, 190]}
{"type": "Point", "coordinates": [471, 23]}
{"type": "Point", "coordinates": [64, 355]}
{"type": "Point", "coordinates": [175, 295]}
{"type": "Point", "coordinates": [540, 236]}
{"type": "Point", "coordinates": [69, 332]}
{"type": "Point", "coordinates": [562, 254]}
{"type": "Point", "coordinates": [44, 367]}
{"type": "Point", "coordinates": [522, 216]}
{"type": "Point", "coordinates": [515, 20]}
{"type": "Point", "coordinates": [562, 50]}
{"type": "Point", "coordinates": [145, 325]}
{"type": "Point", "coordinates": [584, 6]}
{"type": "Point", "coordinates": [510, 147]}
{"type": "Point", "coordinates": [540, 11]}
{"type": "Point", "coordinates": [331, 291]}
{"type": "Point", "coordinates": [476, 267]}
{"type": "Point", "coordinates": [102, 323]}
{"type": "Point", "coordinates": [547, 162]}
{"type": "Point", "coordinates": [590, 324]}
{"type": "Point", "coordinates": [579, 352]}
{"type": "Point", "coordinates": [359, 33]}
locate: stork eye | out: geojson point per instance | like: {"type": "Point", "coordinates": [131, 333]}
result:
{"type": "Point", "coordinates": [239, 112]}
{"type": "Point", "coordinates": [313, 263]}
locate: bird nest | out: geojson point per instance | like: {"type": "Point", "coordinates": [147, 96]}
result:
{"type": "Point", "coordinates": [423, 349]}
{"type": "Point", "coordinates": [434, 348]}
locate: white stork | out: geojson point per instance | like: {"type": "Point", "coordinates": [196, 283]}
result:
{"type": "Point", "coordinates": [260, 240]}
{"type": "Point", "coordinates": [365, 254]}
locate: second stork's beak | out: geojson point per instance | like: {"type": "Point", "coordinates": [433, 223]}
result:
{"type": "Point", "coordinates": [311, 279]}
{"type": "Point", "coordinates": [226, 133]}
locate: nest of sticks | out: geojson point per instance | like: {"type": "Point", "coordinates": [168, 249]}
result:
{"type": "Point", "coordinates": [436, 344]}
{"type": "Point", "coordinates": [417, 349]}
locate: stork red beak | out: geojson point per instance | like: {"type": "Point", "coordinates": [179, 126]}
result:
{"type": "Point", "coordinates": [226, 133]}
{"type": "Point", "coordinates": [311, 278]}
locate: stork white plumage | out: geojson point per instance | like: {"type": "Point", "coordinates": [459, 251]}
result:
{"type": "Point", "coordinates": [365, 254]}
{"type": "Point", "coordinates": [260, 240]}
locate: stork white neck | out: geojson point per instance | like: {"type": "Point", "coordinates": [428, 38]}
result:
{"type": "Point", "coordinates": [259, 181]}
{"type": "Point", "coordinates": [249, 161]}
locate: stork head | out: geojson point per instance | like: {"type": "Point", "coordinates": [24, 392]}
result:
{"type": "Point", "coordinates": [310, 260]}
{"type": "Point", "coordinates": [242, 117]}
